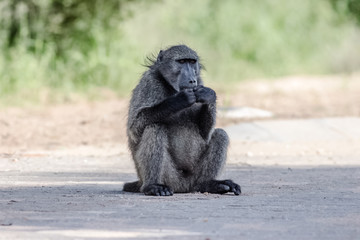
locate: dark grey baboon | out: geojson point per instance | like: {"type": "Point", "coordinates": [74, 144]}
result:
{"type": "Point", "coordinates": [171, 129]}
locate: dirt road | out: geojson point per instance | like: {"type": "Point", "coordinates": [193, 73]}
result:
{"type": "Point", "coordinates": [291, 190]}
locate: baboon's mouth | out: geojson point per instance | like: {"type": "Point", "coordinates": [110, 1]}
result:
{"type": "Point", "coordinates": [184, 88]}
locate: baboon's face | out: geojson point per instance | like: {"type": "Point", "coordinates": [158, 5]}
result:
{"type": "Point", "coordinates": [180, 66]}
{"type": "Point", "coordinates": [187, 73]}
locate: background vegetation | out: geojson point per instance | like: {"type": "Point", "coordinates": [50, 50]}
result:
{"type": "Point", "coordinates": [55, 50]}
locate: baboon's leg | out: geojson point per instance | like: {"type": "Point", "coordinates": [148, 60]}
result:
{"type": "Point", "coordinates": [214, 158]}
{"type": "Point", "coordinates": [211, 165]}
{"type": "Point", "coordinates": [151, 157]}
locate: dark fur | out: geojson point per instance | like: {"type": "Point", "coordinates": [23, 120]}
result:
{"type": "Point", "coordinates": [171, 131]}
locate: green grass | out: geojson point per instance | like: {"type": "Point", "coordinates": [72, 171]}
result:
{"type": "Point", "coordinates": [237, 40]}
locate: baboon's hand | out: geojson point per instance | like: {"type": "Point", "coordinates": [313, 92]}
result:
{"type": "Point", "coordinates": [205, 95]}
{"type": "Point", "coordinates": [158, 190]}
{"type": "Point", "coordinates": [187, 96]}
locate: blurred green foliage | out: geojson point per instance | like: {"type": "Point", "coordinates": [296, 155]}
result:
{"type": "Point", "coordinates": [57, 23]}
{"type": "Point", "coordinates": [348, 8]}
{"type": "Point", "coordinates": [52, 49]}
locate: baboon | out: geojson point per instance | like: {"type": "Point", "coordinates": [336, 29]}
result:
{"type": "Point", "coordinates": [171, 131]}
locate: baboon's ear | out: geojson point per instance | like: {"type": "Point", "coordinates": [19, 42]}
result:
{"type": "Point", "coordinates": [160, 56]}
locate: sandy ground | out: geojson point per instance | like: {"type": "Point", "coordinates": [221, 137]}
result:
{"type": "Point", "coordinates": [62, 169]}
{"type": "Point", "coordinates": [103, 123]}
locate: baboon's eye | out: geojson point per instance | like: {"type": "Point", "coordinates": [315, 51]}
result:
{"type": "Point", "coordinates": [186, 60]}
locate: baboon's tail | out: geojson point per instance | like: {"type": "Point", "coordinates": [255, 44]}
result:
{"type": "Point", "coordinates": [132, 187]}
